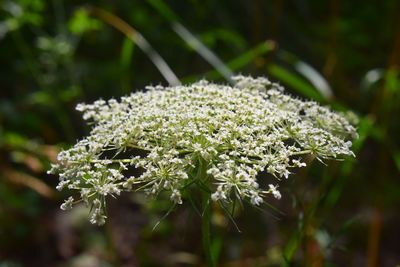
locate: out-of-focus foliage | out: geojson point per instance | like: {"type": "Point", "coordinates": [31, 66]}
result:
{"type": "Point", "coordinates": [55, 54]}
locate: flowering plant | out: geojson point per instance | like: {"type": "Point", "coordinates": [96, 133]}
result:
{"type": "Point", "coordinates": [218, 137]}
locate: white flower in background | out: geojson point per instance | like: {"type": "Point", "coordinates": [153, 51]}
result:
{"type": "Point", "coordinates": [219, 136]}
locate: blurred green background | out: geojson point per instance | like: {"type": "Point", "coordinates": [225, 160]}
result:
{"type": "Point", "coordinates": [55, 54]}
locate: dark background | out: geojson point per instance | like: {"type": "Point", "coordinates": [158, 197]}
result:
{"type": "Point", "coordinates": [55, 54]}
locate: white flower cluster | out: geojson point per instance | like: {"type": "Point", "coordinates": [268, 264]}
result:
{"type": "Point", "coordinates": [216, 136]}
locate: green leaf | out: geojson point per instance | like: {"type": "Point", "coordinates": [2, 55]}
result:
{"type": "Point", "coordinates": [81, 22]}
{"type": "Point", "coordinates": [396, 158]}
{"type": "Point", "coordinates": [392, 80]}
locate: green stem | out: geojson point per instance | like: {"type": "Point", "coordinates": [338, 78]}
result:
{"type": "Point", "coordinates": [308, 151]}
{"type": "Point", "coordinates": [205, 229]}
{"type": "Point", "coordinates": [201, 177]}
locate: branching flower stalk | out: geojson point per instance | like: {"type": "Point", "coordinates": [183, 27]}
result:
{"type": "Point", "coordinates": [234, 132]}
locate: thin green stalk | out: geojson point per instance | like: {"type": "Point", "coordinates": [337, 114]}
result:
{"type": "Point", "coordinates": [201, 177]}
{"type": "Point", "coordinates": [205, 229]}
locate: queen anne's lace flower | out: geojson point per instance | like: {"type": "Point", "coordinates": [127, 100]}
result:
{"type": "Point", "coordinates": [230, 133]}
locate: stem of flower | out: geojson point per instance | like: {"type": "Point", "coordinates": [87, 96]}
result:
{"type": "Point", "coordinates": [103, 160]}
{"type": "Point", "coordinates": [206, 215]}
{"type": "Point", "coordinates": [308, 151]}
{"type": "Point", "coordinates": [205, 229]}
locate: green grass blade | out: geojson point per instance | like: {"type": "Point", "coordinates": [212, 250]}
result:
{"type": "Point", "coordinates": [239, 62]}
{"type": "Point", "coordinates": [126, 54]}
{"type": "Point", "coordinates": [294, 81]}
{"type": "Point", "coordinates": [319, 83]}
{"type": "Point", "coordinates": [164, 10]}
{"type": "Point", "coordinates": [191, 40]}
{"type": "Point", "coordinates": [139, 40]}
{"type": "Point", "coordinates": [203, 51]}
